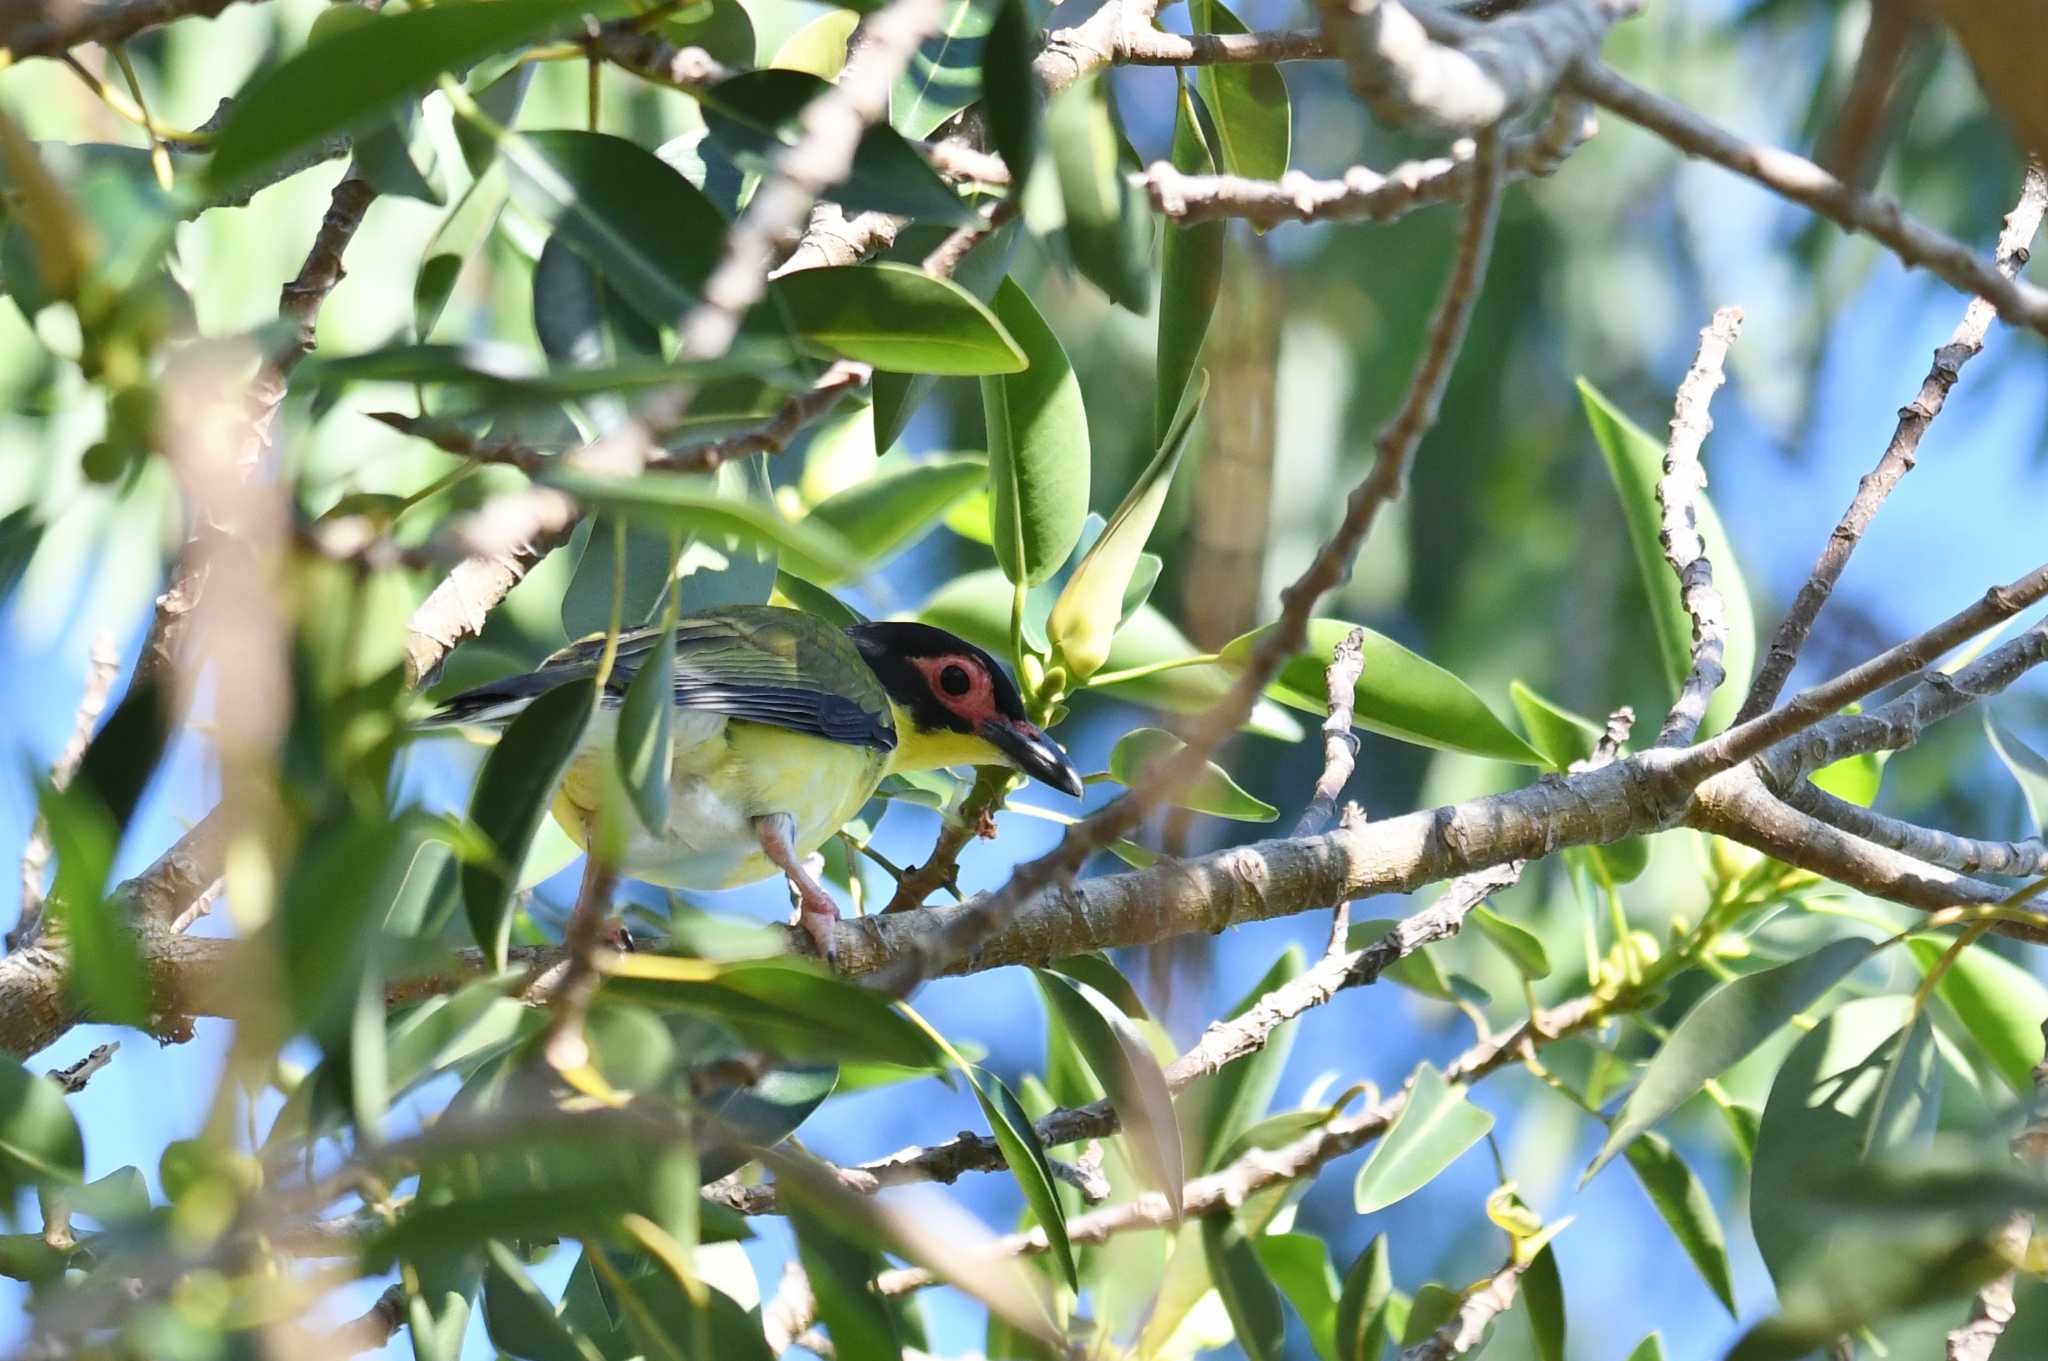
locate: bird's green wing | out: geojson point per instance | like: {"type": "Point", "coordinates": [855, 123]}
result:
{"type": "Point", "coordinates": [761, 663]}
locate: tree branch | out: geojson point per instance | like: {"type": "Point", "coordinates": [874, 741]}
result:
{"type": "Point", "coordinates": [1900, 455]}
{"type": "Point", "coordinates": [2022, 859]}
{"type": "Point", "coordinates": [1678, 495]}
{"type": "Point", "coordinates": [1340, 744]}
{"type": "Point", "coordinates": [48, 30]}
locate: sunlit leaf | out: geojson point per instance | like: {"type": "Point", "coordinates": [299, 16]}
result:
{"type": "Point", "coordinates": [888, 511]}
{"type": "Point", "coordinates": [1247, 102]}
{"type": "Point", "coordinates": [513, 793]}
{"type": "Point", "coordinates": [898, 318]}
{"type": "Point", "coordinates": [1436, 1125]}
{"type": "Point", "coordinates": [897, 396]}
{"type": "Point", "coordinates": [1142, 751]}
{"type": "Point", "coordinates": [944, 75]}
{"type": "Point", "coordinates": [1650, 1348]}
{"type": "Point", "coordinates": [1686, 1208]}
{"type": "Point", "coordinates": [840, 1267]}
{"type": "Point", "coordinates": [1248, 1292]}
{"type": "Point", "coordinates": [1299, 1263]}
{"type": "Point", "coordinates": [1025, 1156]}
{"type": "Point", "coordinates": [783, 1004]}
{"type": "Point", "coordinates": [819, 47]}
{"type": "Point", "coordinates": [2001, 1005]}
{"type": "Point", "coordinates": [1038, 448]}
{"type": "Point", "coordinates": [1124, 1064]}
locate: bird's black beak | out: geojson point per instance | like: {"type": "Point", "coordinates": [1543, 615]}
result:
{"type": "Point", "coordinates": [1032, 752]}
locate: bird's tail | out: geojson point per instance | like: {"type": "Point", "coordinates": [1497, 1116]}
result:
{"type": "Point", "coordinates": [493, 705]}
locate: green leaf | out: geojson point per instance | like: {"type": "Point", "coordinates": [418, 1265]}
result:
{"type": "Point", "coordinates": [520, 1318]}
{"type": "Point", "coordinates": [667, 1322]}
{"type": "Point", "coordinates": [459, 239]}
{"type": "Point", "coordinates": [123, 755]}
{"type": "Point", "coordinates": [1650, 1348]}
{"type": "Point", "coordinates": [771, 1109]}
{"type": "Point", "coordinates": [1099, 973]}
{"type": "Point", "coordinates": [1299, 1263]}
{"type": "Point", "coordinates": [513, 793]}
{"type": "Point", "coordinates": [120, 1197]}
{"type": "Point", "coordinates": [341, 887]}
{"type": "Point", "coordinates": [1143, 750]}
{"type": "Point", "coordinates": [499, 377]}
{"type": "Point", "coordinates": [899, 319]}
{"type": "Point", "coordinates": [650, 563]}
{"type": "Point", "coordinates": [1854, 778]}
{"type": "Point", "coordinates": [885, 513]}
{"type": "Point", "coordinates": [1038, 457]}
{"type": "Point", "coordinates": [1435, 1126]}
{"type": "Point", "coordinates": [1084, 620]}
{"type": "Point", "coordinates": [782, 1004]}
{"type": "Point", "coordinates": [437, 1309]}
{"type": "Point", "coordinates": [1190, 275]}
{"type": "Point", "coordinates": [344, 82]}
{"type": "Point", "coordinates": [1687, 1208]}
{"type": "Point", "coordinates": [944, 75]}
{"type": "Point", "coordinates": [39, 1141]}
{"type": "Point", "coordinates": [2028, 766]}
{"type": "Point", "coordinates": [1011, 102]}
{"type": "Point", "coordinates": [1109, 226]}
{"type": "Point", "coordinates": [1362, 1329]}
{"type": "Point", "coordinates": [1543, 1296]}
{"type": "Point", "coordinates": [652, 233]}
{"type": "Point", "coordinates": [696, 507]}
{"type": "Point", "coordinates": [840, 1267]}
{"type": "Point", "coordinates": [1025, 1157]}
{"type": "Point", "coordinates": [819, 47]}
{"type": "Point", "coordinates": [106, 971]}
{"type": "Point", "coordinates": [1435, 1305]}
{"type": "Point", "coordinates": [646, 740]}
{"type": "Point", "coordinates": [580, 317]}
{"type": "Point", "coordinates": [1635, 461]}
{"type": "Point", "coordinates": [1227, 1102]}
{"type": "Point", "coordinates": [1725, 1026]}
{"type": "Point", "coordinates": [1256, 1314]}
{"type": "Point", "coordinates": [1999, 1003]}
{"type": "Point", "coordinates": [815, 599]}
{"type": "Point", "coordinates": [1399, 694]}
{"type": "Point", "coordinates": [1247, 102]}
{"type": "Point", "coordinates": [1563, 738]}
{"type": "Point", "coordinates": [1521, 945]}
{"type": "Point", "coordinates": [897, 396]}
{"type": "Point", "coordinates": [721, 27]}
{"type": "Point", "coordinates": [1124, 1064]}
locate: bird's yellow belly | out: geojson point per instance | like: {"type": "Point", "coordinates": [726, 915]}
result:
{"type": "Point", "coordinates": [726, 774]}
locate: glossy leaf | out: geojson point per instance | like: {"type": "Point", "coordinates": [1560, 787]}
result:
{"type": "Point", "coordinates": [1038, 458]}
{"type": "Point", "coordinates": [1247, 102]}
{"type": "Point", "coordinates": [1084, 620]}
{"type": "Point", "coordinates": [2001, 1004]}
{"type": "Point", "coordinates": [899, 319]}
{"type": "Point", "coordinates": [897, 396]}
{"type": "Point", "coordinates": [1686, 1208]}
{"type": "Point", "coordinates": [2028, 766]}
{"type": "Point", "coordinates": [1299, 1263]}
{"type": "Point", "coordinates": [1143, 750]}
{"type": "Point", "coordinates": [1228, 1101]}
{"type": "Point", "coordinates": [885, 513]}
{"type": "Point", "coordinates": [1011, 101]}
{"type": "Point", "coordinates": [1399, 694]}
{"type": "Point", "coordinates": [1435, 1126]}
{"type": "Point", "coordinates": [513, 793]}
{"type": "Point", "coordinates": [344, 81]}
{"type": "Point", "coordinates": [695, 507]}
{"type": "Point", "coordinates": [1362, 1327]}
{"type": "Point", "coordinates": [1125, 1066]}
{"type": "Point", "coordinates": [1256, 1314]}
{"type": "Point", "coordinates": [1108, 225]}
{"type": "Point", "coordinates": [1725, 1026]}
{"type": "Point", "coordinates": [1521, 945]}
{"type": "Point", "coordinates": [652, 233]}
{"type": "Point", "coordinates": [646, 739]}
{"type": "Point", "coordinates": [39, 1141]}
{"type": "Point", "coordinates": [1190, 275]}
{"type": "Point", "coordinates": [1542, 1292]}
{"type": "Point", "coordinates": [1563, 737]}
{"type": "Point", "coordinates": [1635, 462]}
{"type": "Point", "coordinates": [1025, 1156]}
{"type": "Point", "coordinates": [944, 75]}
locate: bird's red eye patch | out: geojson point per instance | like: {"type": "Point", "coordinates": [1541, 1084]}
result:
{"type": "Point", "coordinates": [960, 683]}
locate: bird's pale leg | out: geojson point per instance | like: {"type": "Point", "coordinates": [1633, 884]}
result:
{"type": "Point", "coordinates": [816, 912]}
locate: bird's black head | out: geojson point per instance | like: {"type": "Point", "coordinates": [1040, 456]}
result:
{"type": "Point", "coordinates": [962, 705]}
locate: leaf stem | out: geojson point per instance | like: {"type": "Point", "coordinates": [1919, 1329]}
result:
{"type": "Point", "coordinates": [1132, 673]}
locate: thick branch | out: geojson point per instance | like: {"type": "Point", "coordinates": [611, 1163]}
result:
{"type": "Point", "coordinates": [1678, 495]}
{"type": "Point", "coordinates": [1899, 456]}
{"type": "Point", "coordinates": [2023, 859]}
{"type": "Point", "coordinates": [47, 30]}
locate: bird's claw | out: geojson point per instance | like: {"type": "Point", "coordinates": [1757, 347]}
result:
{"type": "Point", "coordinates": [818, 915]}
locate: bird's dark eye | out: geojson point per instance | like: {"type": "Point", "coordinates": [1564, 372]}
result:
{"type": "Point", "coordinates": [953, 680]}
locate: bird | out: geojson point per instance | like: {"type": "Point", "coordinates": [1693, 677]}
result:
{"type": "Point", "coordinates": [784, 726]}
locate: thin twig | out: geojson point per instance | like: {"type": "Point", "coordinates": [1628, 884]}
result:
{"type": "Point", "coordinates": [1340, 743]}
{"type": "Point", "coordinates": [1900, 455]}
{"type": "Point", "coordinates": [73, 1076]}
{"type": "Point", "coordinates": [2022, 859]}
{"type": "Point", "coordinates": [1678, 495]}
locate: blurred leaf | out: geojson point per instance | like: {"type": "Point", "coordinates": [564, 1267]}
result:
{"type": "Point", "coordinates": [520, 1319]}
{"type": "Point", "coordinates": [1650, 1348]}
{"type": "Point", "coordinates": [120, 1197]}
{"type": "Point", "coordinates": [39, 1141]}
{"type": "Point", "coordinates": [1011, 102]}
{"type": "Point", "coordinates": [1854, 778]}
{"type": "Point", "coordinates": [1247, 102]}
{"type": "Point", "coordinates": [1435, 1126]}
{"type": "Point", "coordinates": [1026, 1159]}
{"type": "Point", "coordinates": [897, 396]}
{"type": "Point", "coordinates": [1109, 225]}
{"type": "Point", "coordinates": [695, 507]}
{"type": "Point", "coordinates": [105, 972]}
{"type": "Point", "coordinates": [337, 893]}
{"type": "Point", "coordinates": [650, 562]}
{"type": "Point", "coordinates": [458, 239]}
{"type": "Point", "coordinates": [652, 233]}
{"type": "Point", "coordinates": [437, 1308]}
{"type": "Point", "coordinates": [840, 1267]}
{"type": "Point", "coordinates": [1522, 947]}
{"type": "Point", "coordinates": [669, 1322]}
{"type": "Point", "coordinates": [944, 75]}
{"type": "Point", "coordinates": [783, 1004]}
{"type": "Point", "coordinates": [1190, 275]}
{"type": "Point", "coordinates": [728, 569]}
{"type": "Point", "coordinates": [721, 27]}
{"type": "Point", "coordinates": [1727, 1024]}
{"type": "Point", "coordinates": [1124, 1064]}
{"type": "Point", "coordinates": [1635, 462]}
{"type": "Point", "coordinates": [581, 318]}
{"type": "Point", "coordinates": [124, 753]}
{"type": "Point", "coordinates": [1256, 1314]}
{"type": "Point", "coordinates": [819, 47]}
{"type": "Point", "coordinates": [885, 513]}
{"type": "Point", "coordinates": [1435, 1305]}
{"type": "Point", "coordinates": [383, 156]}
{"type": "Point", "coordinates": [1999, 1003]}
{"type": "Point", "coordinates": [2028, 767]}
{"type": "Point", "coordinates": [506, 379]}
{"type": "Point", "coordinates": [1822, 1104]}
{"type": "Point", "coordinates": [1686, 1207]}
{"type": "Point", "coordinates": [1143, 750]}
{"type": "Point", "coordinates": [513, 793]}
{"type": "Point", "coordinates": [1228, 1101]}
{"type": "Point", "coordinates": [1090, 608]}
{"type": "Point", "coordinates": [1362, 1328]}
{"type": "Point", "coordinates": [646, 741]}
{"type": "Point", "coordinates": [757, 115]}
{"type": "Point", "coordinates": [812, 598]}
{"type": "Point", "coordinates": [1542, 1292]}
{"type": "Point", "coordinates": [1399, 694]}
{"type": "Point", "coordinates": [770, 1110]}
{"type": "Point", "coordinates": [342, 82]}
{"type": "Point", "coordinates": [1038, 453]}
{"type": "Point", "coordinates": [1299, 1264]}
{"type": "Point", "coordinates": [898, 318]}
